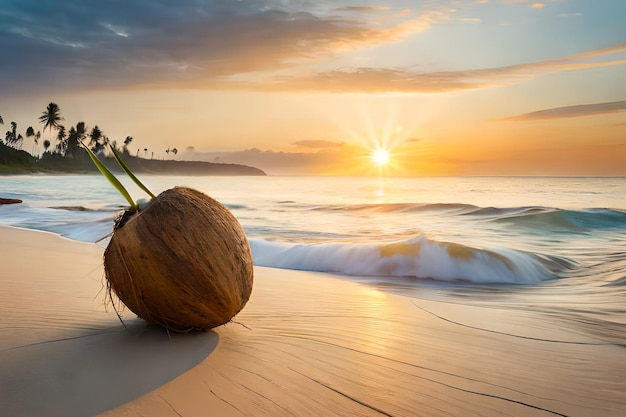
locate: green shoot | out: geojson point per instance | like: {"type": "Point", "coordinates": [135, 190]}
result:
{"type": "Point", "coordinates": [109, 176]}
{"type": "Point", "coordinates": [128, 172]}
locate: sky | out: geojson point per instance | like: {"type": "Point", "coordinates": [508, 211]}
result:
{"type": "Point", "coordinates": [303, 87]}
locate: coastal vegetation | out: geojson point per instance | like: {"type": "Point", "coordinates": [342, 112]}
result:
{"type": "Point", "coordinates": [62, 151]}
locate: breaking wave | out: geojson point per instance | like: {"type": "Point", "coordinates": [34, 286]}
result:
{"type": "Point", "coordinates": [417, 257]}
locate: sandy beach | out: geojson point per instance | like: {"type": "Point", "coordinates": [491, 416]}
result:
{"type": "Point", "coordinates": [305, 344]}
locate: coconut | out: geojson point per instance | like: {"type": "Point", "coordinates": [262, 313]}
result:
{"type": "Point", "coordinates": [182, 262]}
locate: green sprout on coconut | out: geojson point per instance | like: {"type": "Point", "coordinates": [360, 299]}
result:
{"type": "Point", "coordinates": [113, 180]}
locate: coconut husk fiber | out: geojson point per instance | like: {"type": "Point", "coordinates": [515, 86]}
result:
{"type": "Point", "coordinates": [182, 262]}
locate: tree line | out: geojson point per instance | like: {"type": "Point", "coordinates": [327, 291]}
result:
{"type": "Point", "coordinates": [67, 141]}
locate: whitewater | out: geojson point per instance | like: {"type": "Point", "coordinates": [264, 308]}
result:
{"type": "Point", "coordinates": [556, 245]}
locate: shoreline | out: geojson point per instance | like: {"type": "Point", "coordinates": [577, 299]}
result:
{"type": "Point", "coordinates": [305, 344]}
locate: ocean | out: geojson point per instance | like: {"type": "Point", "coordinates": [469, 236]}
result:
{"type": "Point", "coordinates": [540, 245]}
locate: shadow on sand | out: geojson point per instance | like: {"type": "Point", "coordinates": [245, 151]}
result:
{"type": "Point", "coordinates": [91, 372]}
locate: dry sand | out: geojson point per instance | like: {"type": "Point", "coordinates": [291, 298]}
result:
{"type": "Point", "coordinates": [306, 344]}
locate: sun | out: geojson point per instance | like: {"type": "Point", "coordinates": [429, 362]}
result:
{"type": "Point", "coordinates": [380, 157]}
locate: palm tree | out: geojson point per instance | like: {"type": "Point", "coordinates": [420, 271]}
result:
{"type": "Point", "coordinates": [51, 117]}
{"type": "Point", "coordinates": [37, 137]}
{"type": "Point", "coordinates": [96, 140]}
{"type": "Point", "coordinates": [61, 139]}
{"type": "Point", "coordinates": [74, 138]}
{"type": "Point", "coordinates": [13, 138]}
{"type": "Point", "coordinates": [8, 137]}
{"type": "Point", "coordinates": [30, 133]}
{"type": "Point", "coordinates": [72, 142]}
{"type": "Point", "coordinates": [46, 145]}
{"type": "Point", "coordinates": [127, 142]}
{"type": "Point", "coordinates": [105, 143]}
{"type": "Point", "coordinates": [1, 121]}
{"type": "Point", "coordinates": [81, 129]}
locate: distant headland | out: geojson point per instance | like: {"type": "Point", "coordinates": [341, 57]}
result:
{"type": "Point", "coordinates": [15, 161]}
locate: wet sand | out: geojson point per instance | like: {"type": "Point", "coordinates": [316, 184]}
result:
{"type": "Point", "coordinates": [306, 344]}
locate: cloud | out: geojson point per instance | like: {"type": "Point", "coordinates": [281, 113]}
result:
{"type": "Point", "coordinates": [69, 44]}
{"type": "Point", "coordinates": [363, 9]}
{"type": "Point", "coordinates": [533, 3]}
{"type": "Point", "coordinates": [318, 144]}
{"type": "Point", "coordinates": [518, 1]}
{"type": "Point", "coordinates": [572, 111]}
{"type": "Point", "coordinates": [400, 80]}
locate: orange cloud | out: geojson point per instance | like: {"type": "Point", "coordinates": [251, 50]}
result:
{"type": "Point", "coordinates": [572, 111]}
{"type": "Point", "coordinates": [533, 3]}
{"type": "Point", "coordinates": [385, 80]}
{"type": "Point", "coordinates": [362, 9]}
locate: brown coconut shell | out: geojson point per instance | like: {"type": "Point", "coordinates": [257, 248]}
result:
{"type": "Point", "coordinates": [182, 262]}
